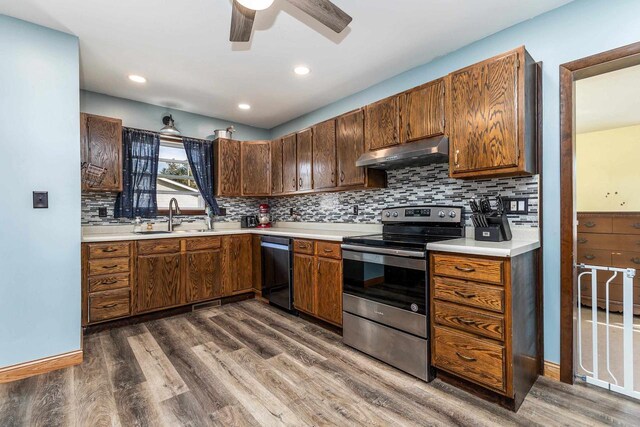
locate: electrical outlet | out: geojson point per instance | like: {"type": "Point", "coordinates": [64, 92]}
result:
{"type": "Point", "coordinates": [355, 210]}
{"type": "Point", "coordinates": [102, 212]}
{"type": "Point", "coordinates": [222, 211]}
{"type": "Point", "coordinates": [516, 205]}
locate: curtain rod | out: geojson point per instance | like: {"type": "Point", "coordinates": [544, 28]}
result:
{"type": "Point", "coordinates": [168, 137]}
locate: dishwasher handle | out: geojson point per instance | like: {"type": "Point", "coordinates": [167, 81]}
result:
{"type": "Point", "coordinates": [275, 246]}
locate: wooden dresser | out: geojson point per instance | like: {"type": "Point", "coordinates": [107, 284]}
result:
{"type": "Point", "coordinates": [610, 240]}
{"type": "Point", "coordinates": [484, 317]}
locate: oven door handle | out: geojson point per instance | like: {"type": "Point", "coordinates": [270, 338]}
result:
{"type": "Point", "coordinates": [384, 251]}
{"type": "Point", "coordinates": [395, 261]}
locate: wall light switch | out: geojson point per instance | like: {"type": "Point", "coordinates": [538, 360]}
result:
{"type": "Point", "coordinates": [40, 199]}
{"type": "Point", "coordinates": [102, 212]}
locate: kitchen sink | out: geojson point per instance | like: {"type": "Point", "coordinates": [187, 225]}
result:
{"type": "Point", "coordinates": [171, 232]}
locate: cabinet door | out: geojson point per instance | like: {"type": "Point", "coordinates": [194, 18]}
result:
{"type": "Point", "coordinates": [324, 155]}
{"type": "Point", "coordinates": [228, 168]}
{"type": "Point", "coordinates": [350, 146]}
{"type": "Point", "coordinates": [204, 276]}
{"type": "Point", "coordinates": [329, 284]}
{"type": "Point", "coordinates": [289, 164]}
{"type": "Point", "coordinates": [381, 124]}
{"type": "Point", "coordinates": [159, 282]}
{"type": "Point", "coordinates": [276, 166]}
{"type": "Point", "coordinates": [256, 168]}
{"type": "Point", "coordinates": [304, 148]}
{"type": "Point", "coordinates": [422, 112]}
{"type": "Point", "coordinates": [238, 264]}
{"type": "Point", "coordinates": [101, 141]}
{"type": "Point", "coordinates": [484, 115]}
{"type": "Point", "coordinates": [303, 283]}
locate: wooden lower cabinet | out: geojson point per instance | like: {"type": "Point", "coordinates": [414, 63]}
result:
{"type": "Point", "coordinates": [121, 279]}
{"type": "Point", "coordinates": [159, 282]}
{"type": "Point", "coordinates": [317, 279]}
{"type": "Point", "coordinates": [484, 323]}
{"type": "Point", "coordinates": [204, 275]}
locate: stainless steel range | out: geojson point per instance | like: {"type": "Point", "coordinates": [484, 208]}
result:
{"type": "Point", "coordinates": [386, 285]}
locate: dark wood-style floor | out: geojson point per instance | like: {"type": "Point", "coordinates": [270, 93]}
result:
{"type": "Point", "coordinates": [250, 364]}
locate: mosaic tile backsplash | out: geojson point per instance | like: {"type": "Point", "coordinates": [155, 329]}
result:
{"type": "Point", "coordinates": [427, 185]}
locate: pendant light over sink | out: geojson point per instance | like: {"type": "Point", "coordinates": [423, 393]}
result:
{"type": "Point", "coordinates": [244, 12]}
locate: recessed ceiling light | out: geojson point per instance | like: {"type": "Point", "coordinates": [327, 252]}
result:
{"type": "Point", "coordinates": [137, 79]}
{"type": "Point", "coordinates": [244, 106]}
{"type": "Point", "coordinates": [301, 70]}
{"type": "Point", "coordinates": [256, 4]}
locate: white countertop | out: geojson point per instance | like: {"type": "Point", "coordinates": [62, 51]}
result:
{"type": "Point", "coordinates": [318, 231]}
{"type": "Point", "coordinates": [524, 240]}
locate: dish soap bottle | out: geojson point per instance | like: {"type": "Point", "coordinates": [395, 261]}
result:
{"type": "Point", "coordinates": [137, 225]}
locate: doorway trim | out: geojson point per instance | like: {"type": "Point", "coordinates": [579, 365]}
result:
{"type": "Point", "coordinates": [570, 72]}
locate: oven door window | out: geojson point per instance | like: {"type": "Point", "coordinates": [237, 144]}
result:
{"type": "Point", "coordinates": [396, 281]}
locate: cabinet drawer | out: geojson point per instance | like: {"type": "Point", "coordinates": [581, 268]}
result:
{"type": "Point", "coordinates": [202, 243]}
{"type": "Point", "coordinates": [469, 320]}
{"type": "Point", "coordinates": [626, 225]}
{"type": "Point", "coordinates": [109, 250]}
{"type": "Point", "coordinates": [163, 246]}
{"type": "Point", "coordinates": [475, 359]}
{"type": "Point", "coordinates": [109, 305]}
{"type": "Point", "coordinates": [483, 270]}
{"type": "Point", "coordinates": [469, 293]}
{"type": "Point", "coordinates": [108, 266]}
{"type": "Point", "coordinates": [594, 224]}
{"type": "Point", "coordinates": [625, 259]}
{"type": "Point", "coordinates": [107, 283]}
{"type": "Point", "coordinates": [594, 256]}
{"type": "Point", "coordinates": [328, 250]}
{"type": "Point", "coordinates": [611, 242]}
{"type": "Point", "coordinates": [303, 246]}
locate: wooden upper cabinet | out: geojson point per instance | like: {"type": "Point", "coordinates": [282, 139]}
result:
{"type": "Point", "coordinates": [276, 167]}
{"type": "Point", "coordinates": [227, 167]}
{"type": "Point", "coordinates": [324, 155]}
{"type": "Point", "coordinates": [304, 147]}
{"type": "Point", "coordinates": [422, 111]}
{"type": "Point", "coordinates": [289, 164]}
{"type": "Point", "coordinates": [349, 147]}
{"type": "Point", "coordinates": [101, 145]}
{"type": "Point", "coordinates": [381, 123]}
{"type": "Point", "coordinates": [493, 128]}
{"type": "Point", "coordinates": [256, 168]}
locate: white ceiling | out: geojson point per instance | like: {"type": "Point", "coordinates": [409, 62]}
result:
{"type": "Point", "coordinates": [608, 101]}
{"type": "Point", "coordinates": [182, 48]}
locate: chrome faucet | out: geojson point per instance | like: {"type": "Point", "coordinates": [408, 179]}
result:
{"type": "Point", "coordinates": [171, 202]}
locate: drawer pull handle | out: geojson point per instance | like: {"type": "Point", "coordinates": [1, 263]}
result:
{"type": "Point", "coordinates": [466, 321]}
{"type": "Point", "coordinates": [109, 305]}
{"type": "Point", "coordinates": [109, 250]}
{"type": "Point", "coordinates": [110, 282]}
{"type": "Point", "coordinates": [467, 358]}
{"type": "Point", "coordinates": [589, 224]}
{"type": "Point", "coordinates": [328, 250]}
{"type": "Point", "coordinates": [636, 225]}
{"type": "Point", "coordinates": [109, 267]}
{"type": "Point", "coordinates": [582, 241]}
{"type": "Point", "coordinates": [590, 257]}
{"type": "Point", "coordinates": [464, 294]}
{"type": "Point", "coordinates": [635, 260]}
{"type": "Point", "coordinates": [465, 269]}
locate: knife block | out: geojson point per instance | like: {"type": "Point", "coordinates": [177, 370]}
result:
{"type": "Point", "coordinates": [498, 230]}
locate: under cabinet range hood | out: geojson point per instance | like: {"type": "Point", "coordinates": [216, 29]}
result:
{"type": "Point", "coordinates": [420, 153]}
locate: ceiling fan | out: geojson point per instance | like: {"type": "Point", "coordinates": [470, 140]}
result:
{"type": "Point", "coordinates": [244, 12]}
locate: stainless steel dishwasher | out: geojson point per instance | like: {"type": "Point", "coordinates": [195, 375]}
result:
{"type": "Point", "coordinates": [277, 271]}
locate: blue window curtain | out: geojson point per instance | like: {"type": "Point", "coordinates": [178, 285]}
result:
{"type": "Point", "coordinates": [200, 156]}
{"type": "Point", "coordinates": [140, 151]}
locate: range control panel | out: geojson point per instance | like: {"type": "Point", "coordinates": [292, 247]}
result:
{"type": "Point", "coordinates": [449, 214]}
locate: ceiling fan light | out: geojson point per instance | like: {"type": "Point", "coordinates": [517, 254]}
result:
{"type": "Point", "coordinates": [256, 4]}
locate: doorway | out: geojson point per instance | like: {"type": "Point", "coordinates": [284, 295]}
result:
{"type": "Point", "coordinates": [600, 220]}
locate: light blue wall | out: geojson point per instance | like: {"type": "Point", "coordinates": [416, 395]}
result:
{"type": "Point", "coordinates": [579, 29]}
{"type": "Point", "coordinates": [147, 116]}
{"type": "Point", "coordinates": [40, 150]}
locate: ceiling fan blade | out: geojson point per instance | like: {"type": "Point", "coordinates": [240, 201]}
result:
{"type": "Point", "coordinates": [324, 11]}
{"type": "Point", "coordinates": [241, 23]}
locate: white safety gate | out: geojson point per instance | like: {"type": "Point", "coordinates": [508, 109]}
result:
{"type": "Point", "coordinates": [592, 376]}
